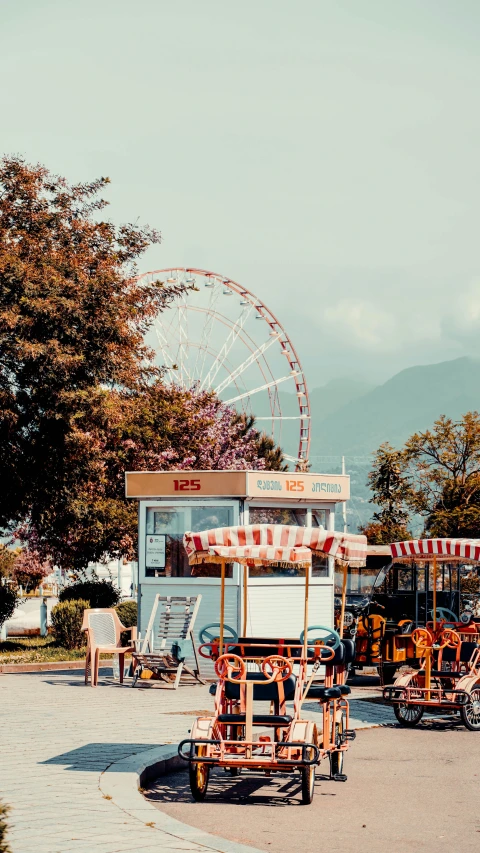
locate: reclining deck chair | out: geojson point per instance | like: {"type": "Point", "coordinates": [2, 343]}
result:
{"type": "Point", "coordinates": [104, 630]}
{"type": "Point", "coordinates": [167, 639]}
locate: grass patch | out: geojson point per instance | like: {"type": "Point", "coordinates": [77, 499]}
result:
{"type": "Point", "coordinates": [36, 650]}
{"type": "Point", "coordinates": [40, 650]}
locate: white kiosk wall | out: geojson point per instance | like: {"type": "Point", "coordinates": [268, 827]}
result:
{"type": "Point", "coordinates": [170, 503]}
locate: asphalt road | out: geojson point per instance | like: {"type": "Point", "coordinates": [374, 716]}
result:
{"type": "Point", "coordinates": [407, 790]}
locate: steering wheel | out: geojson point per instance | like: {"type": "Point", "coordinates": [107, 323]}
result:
{"type": "Point", "coordinates": [444, 614]}
{"type": "Point", "coordinates": [231, 667]}
{"type": "Point", "coordinates": [422, 638]}
{"type": "Point", "coordinates": [211, 640]}
{"type": "Point", "coordinates": [449, 639]}
{"type": "Point", "coordinates": [206, 636]}
{"type": "Point", "coordinates": [278, 666]}
{"type": "Point", "coordinates": [326, 638]}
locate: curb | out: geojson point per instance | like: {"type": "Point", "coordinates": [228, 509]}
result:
{"type": "Point", "coordinates": [50, 666]}
{"type": "Point", "coordinates": [121, 782]}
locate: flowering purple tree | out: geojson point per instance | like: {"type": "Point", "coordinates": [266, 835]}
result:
{"type": "Point", "coordinates": [160, 428]}
{"type": "Point", "coordinates": [29, 569]}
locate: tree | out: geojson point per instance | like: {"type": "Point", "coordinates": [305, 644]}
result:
{"type": "Point", "coordinates": [29, 569]}
{"type": "Point", "coordinates": [390, 484]}
{"type": "Point", "coordinates": [72, 324]}
{"type": "Point", "coordinates": [7, 561]}
{"type": "Point", "coordinates": [81, 398]}
{"type": "Point", "coordinates": [157, 428]}
{"type": "Point", "coordinates": [436, 475]}
{"type": "Point", "coordinates": [445, 468]}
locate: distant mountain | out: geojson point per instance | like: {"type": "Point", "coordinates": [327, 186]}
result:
{"type": "Point", "coordinates": [324, 401]}
{"type": "Point", "coordinates": [334, 395]}
{"type": "Point", "coordinates": [410, 401]}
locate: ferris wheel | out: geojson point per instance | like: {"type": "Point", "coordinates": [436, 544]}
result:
{"type": "Point", "coordinates": [218, 335]}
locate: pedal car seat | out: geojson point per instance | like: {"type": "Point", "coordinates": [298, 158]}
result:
{"type": "Point", "coordinates": [262, 692]}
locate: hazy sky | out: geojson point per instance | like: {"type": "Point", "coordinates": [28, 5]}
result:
{"type": "Point", "coordinates": [325, 153]}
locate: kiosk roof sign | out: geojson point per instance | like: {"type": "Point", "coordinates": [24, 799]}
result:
{"type": "Point", "coordinates": [249, 485]}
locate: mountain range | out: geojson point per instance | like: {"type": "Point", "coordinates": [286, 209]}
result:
{"type": "Point", "coordinates": [410, 401]}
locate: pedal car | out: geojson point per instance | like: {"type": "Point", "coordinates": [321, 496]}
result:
{"type": "Point", "coordinates": [239, 735]}
{"type": "Point", "coordinates": [449, 675]}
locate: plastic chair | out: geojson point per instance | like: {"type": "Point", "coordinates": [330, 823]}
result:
{"type": "Point", "coordinates": [104, 630]}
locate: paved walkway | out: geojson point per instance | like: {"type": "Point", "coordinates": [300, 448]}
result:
{"type": "Point", "coordinates": [56, 739]}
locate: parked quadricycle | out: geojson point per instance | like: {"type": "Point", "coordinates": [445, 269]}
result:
{"type": "Point", "coordinates": [449, 675]}
{"type": "Point", "coordinates": [258, 723]}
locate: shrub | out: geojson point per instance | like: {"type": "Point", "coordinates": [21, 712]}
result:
{"type": "Point", "coordinates": [8, 602]}
{"type": "Point", "coordinates": [4, 847]}
{"type": "Point", "coordinates": [67, 618]}
{"type": "Point", "coordinates": [128, 615]}
{"type": "Point", "coordinates": [97, 593]}
{"type": "Point", "coordinates": [127, 612]}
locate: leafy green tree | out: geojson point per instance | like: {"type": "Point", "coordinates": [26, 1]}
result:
{"type": "Point", "coordinates": [391, 488]}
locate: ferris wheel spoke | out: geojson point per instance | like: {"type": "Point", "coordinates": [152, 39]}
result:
{"type": "Point", "coordinates": [207, 331]}
{"type": "Point", "coordinates": [258, 390]}
{"type": "Point", "coordinates": [253, 357]}
{"type": "Point", "coordinates": [168, 363]}
{"type": "Point", "coordinates": [183, 345]}
{"type": "Point", "coordinates": [227, 346]}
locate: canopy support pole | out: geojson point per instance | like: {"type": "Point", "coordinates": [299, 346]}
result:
{"type": "Point", "coordinates": [222, 603]}
{"type": "Point", "coordinates": [344, 596]}
{"type": "Point", "coordinates": [305, 614]}
{"type": "Point", "coordinates": [434, 593]}
{"type": "Point", "coordinates": [245, 599]}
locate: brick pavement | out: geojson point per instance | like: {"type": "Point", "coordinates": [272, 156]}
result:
{"type": "Point", "coordinates": [56, 739]}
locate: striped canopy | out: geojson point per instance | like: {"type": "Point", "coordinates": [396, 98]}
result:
{"type": "Point", "coordinates": [445, 549]}
{"type": "Point", "coordinates": [258, 544]}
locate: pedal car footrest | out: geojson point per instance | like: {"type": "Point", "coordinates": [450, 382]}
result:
{"type": "Point", "coordinates": [350, 734]}
{"type": "Point", "coordinates": [339, 777]}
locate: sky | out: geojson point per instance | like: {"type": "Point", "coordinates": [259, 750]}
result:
{"type": "Point", "coordinates": [324, 154]}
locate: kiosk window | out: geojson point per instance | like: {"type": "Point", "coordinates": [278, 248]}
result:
{"type": "Point", "coordinates": [277, 515]}
{"type": "Point", "coordinates": [165, 555]}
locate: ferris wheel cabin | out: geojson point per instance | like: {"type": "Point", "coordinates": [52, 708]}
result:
{"type": "Point", "coordinates": [175, 502]}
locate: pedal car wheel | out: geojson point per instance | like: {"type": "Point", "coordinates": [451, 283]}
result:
{"type": "Point", "coordinates": [199, 775]}
{"type": "Point", "coordinates": [308, 784]}
{"type": "Point", "coordinates": [471, 713]}
{"type": "Point", "coordinates": [408, 715]}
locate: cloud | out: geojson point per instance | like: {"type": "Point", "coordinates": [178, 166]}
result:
{"type": "Point", "coordinates": [462, 323]}
{"type": "Point", "coordinates": [361, 324]}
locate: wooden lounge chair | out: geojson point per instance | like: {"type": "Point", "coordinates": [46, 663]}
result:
{"type": "Point", "coordinates": [167, 642]}
{"type": "Point", "coordinates": [104, 630]}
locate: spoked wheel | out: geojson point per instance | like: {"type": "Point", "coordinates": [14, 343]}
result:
{"type": "Point", "coordinates": [199, 774]}
{"type": "Point", "coordinates": [471, 713]}
{"type": "Point", "coordinates": [408, 715]}
{"type": "Point", "coordinates": [308, 784]}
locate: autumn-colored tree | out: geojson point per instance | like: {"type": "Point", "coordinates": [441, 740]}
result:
{"type": "Point", "coordinates": [72, 323]}
{"type": "Point", "coordinates": [81, 399]}
{"type": "Point", "coordinates": [7, 561]}
{"type": "Point", "coordinates": [445, 467]}
{"type": "Point", "coordinates": [391, 488]}
{"type": "Point", "coordinates": [436, 475]}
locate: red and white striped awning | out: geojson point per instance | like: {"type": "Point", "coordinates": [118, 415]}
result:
{"type": "Point", "coordinates": [257, 544]}
{"type": "Point", "coordinates": [466, 549]}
